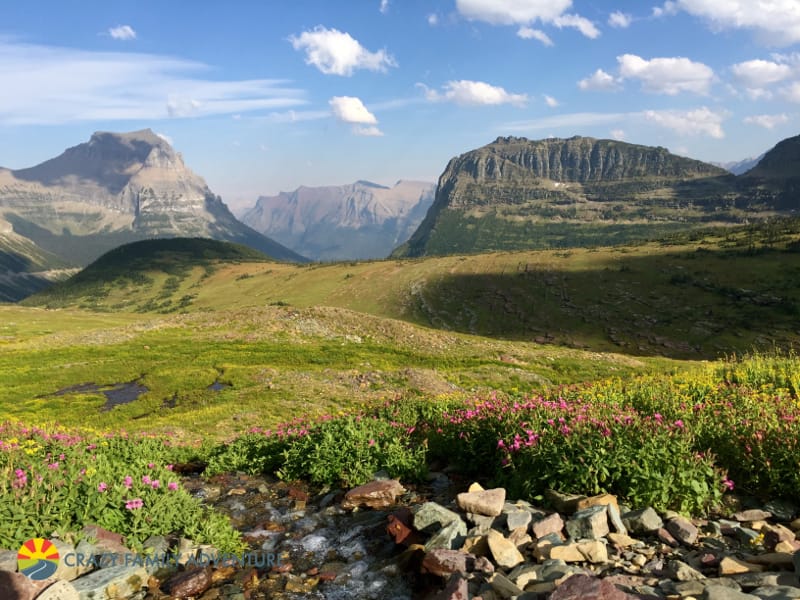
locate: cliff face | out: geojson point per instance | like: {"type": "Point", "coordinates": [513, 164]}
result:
{"type": "Point", "coordinates": [361, 220]}
{"type": "Point", "coordinates": [516, 193]}
{"type": "Point", "coordinates": [116, 188]}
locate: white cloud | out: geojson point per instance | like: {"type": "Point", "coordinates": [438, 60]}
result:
{"type": "Point", "coordinates": [122, 32]}
{"type": "Point", "coordinates": [667, 75]}
{"type": "Point", "coordinates": [760, 73]}
{"type": "Point", "coordinates": [528, 33]}
{"type": "Point", "coordinates": [618, 134]}
{"type": "Point", "coordinates": [350, 109]}
{"type": "Point", "coordinates": [60, 85]}
{"type": "Point", "coordinates": [701, 121]}
{"type": "Point", "coordinates": [337, 53]}
{"type": "Point", "coordinates": [165, 137]}
{"type": "Point", "coordinates": [669, 8]}
{"type": "Point", "coordinates": [599, 80]}
{"type": "Point", "coordinates": [792, 92]}
{"type": "Point", "coordinates": [473, 93]}
{"type": "Point", "coordinates": [767, 121]}
{"type": "Point", "coordinates": [619, 19]}
{"type": "Point", "coordinates": [384, 8]}
{"type": "Point", "coordinates": [433, 19]}
{"type": "Point", "coordinates": [550, 101]}
{"type": "Point", "coordinates": [526, 12]}
{"type": "Point", "coordinates": [370, 131]}
{"type": "Point", "coordinates": [776, 22]}
{"type": "Point", "coordinates": [582, 24]}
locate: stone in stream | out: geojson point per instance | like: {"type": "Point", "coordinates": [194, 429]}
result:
{"type": "Point", "coordinates": [189, 583]}
{"type": "Point", "coordinates": [375, 494]}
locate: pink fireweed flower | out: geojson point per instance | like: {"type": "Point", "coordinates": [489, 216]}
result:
{"type": "Point", "coordinates": [169, 467]}
{"type": "Point", "coordinates": [155, 484]}
{"type": "Point", "coordinates": [21, 481]}
{"type": "Point", "coordinates": [151, 465]}
{"type": "Point", "coordinates": [728, 483]}
{"type": "Point", "coordinates": [102, 487]}
{"type": "Point", "coordinates": [172, 486]}
{"type": "Point", "coordinates": [678, 424]}
{"type": "Point", "coordinates": [53, 466]}
{"type": "Point", "coordinates": [128, 482]}
{"type": "Point", "coordinates": [146, 480]}
{"type": "Point", "coordinates": [658, 417]}
{"type": "Point", "coordinates": [134, 504]}
{"type": "Point", "coordinates": [371, 443]}
{"type": "Point", "coordinates": [500, 444]}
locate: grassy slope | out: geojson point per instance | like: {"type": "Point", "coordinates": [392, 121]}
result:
{"type": "Point", "coordinates": [694, 296]}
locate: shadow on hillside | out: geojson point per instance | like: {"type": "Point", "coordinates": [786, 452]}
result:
{"type": "Point", "coordinates": [696, 304]}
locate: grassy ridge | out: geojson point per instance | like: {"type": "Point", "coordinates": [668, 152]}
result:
{"type": "Point", "coordinates": [692, 295]}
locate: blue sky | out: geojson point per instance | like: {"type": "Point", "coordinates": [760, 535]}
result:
{"type": "Point", "coordinates": [263, 96]}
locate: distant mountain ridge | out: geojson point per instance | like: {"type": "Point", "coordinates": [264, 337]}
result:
{"type": "Point", "coordinates": [516, 193]}
{"type": "Point", "coordinates": [118, 188]}
{"type": "Point", "coordinates": [361, 220]}
{"type": "Point", "coordinates": [738, 167]}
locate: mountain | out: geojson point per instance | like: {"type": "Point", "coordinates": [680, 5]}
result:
{"type": "Point", "coordinates": [738, 167]}
{"type": "Point", "coordinates": [516, 193]}
{"type": "Point", "coordinates": [361, 220]}
{"type": "Point", "coordinates": [115, 188]}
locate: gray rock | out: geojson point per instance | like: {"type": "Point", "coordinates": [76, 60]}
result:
{"type": "Point", "coordinates": [754, 514]}
{"type": "Point", "coordinates": [457, 588]}
{"type": "Point", "coordinates": [518, 518]}
{"type": "Point", "coordinates": [450, 536]}
{"type": "Point", "coordinates": [590, 523]}
{"type": "Point", "coordinates": [721, 592]}
{"type": "Point", "coordinates": [796, 561]}
{"type": "Point", "coordinates": [683, 530]}
{"type": "Point", "coordinates": [615, 519]}
{"type": "Point", "coordinates": [112, 582]}
{"type": "Point", "coordinates": [503, 586]}
{"type": "Point", "coordinates": [524, 574]}
{"type": "Point", "coordinates": [68, 564]}
{"type": "Point", "coordinates": [645, 520]}
{"type": "Point", "coordinates": [677, 569]}
{"type": "Point", "coordinates": [749, 581]}
{"type": "Point", "coordinates": [779, 592]}
{"type": "Point", "coordinates": [8, 561]}
{"type": "Point", "coordinates": [782, 510]}
{"type": "Point", "coordinates": [431, 517]}
{"type": "Point", "coordinates": [746, 535]}
{"type": "Point", "coordinates": [483, 523]}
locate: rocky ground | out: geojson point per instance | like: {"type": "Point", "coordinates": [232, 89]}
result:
{"type": "Point", "coordinates": [444, 541]}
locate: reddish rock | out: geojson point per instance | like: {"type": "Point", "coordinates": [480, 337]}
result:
{"type": "Point", "coordinates": [457, 589]}
{"type": "Point", "coordinates": [16, 586]}
{"type": "Point", "coordinates": [683, 530]}
{"type": "Point", "coordinates": [550, 524]}
{"type": "Point", "coordinates": [444, 562]}
{"type": "Point", "coordinates": [401, 528]}
{"type": "Point", "coordinates": [188, 583]}
{"type": "Point", "coordinates": [585, 587]}
{"type": "Point", "coordinates": [327, 576]}
{"type": "Point", "coordinates": [375, 494]}
{"type": "Point", "coordinates": [107, 542]}
{"type": "Point", "coordinates": [753, 514]}
{"type": "Point", "coordinates": [666, 537]}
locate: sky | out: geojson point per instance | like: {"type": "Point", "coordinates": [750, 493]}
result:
{"type": "Point", "coordinates": [265, 96]}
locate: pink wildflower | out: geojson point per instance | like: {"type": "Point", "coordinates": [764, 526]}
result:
{"type": "Point", "coordinates": [128, 482]}
{"type": "Point", "coordinates": [102, 487]}
{"type": "Point", "coordinates": [146, 480]}
{"type": "Point", "coordinates": [134, 504]}
{"type": "Point", "coordinates": [172, 486]}
{"type": "Point", "coordinates": [728, 483]}
{"type": "Point", "coordinates": [155, 484]}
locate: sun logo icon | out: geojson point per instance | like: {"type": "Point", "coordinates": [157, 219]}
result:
{"type": "Point", "coordinates": [38, 559]}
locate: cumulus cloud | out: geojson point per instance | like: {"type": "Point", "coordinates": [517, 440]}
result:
{"type": "Point", "coordinates": [122, 32]}
{"type": "Point", "coordinates": [350, 109]}
{"type": "Point", "coordinates": [701, 121]}
{"type": "Point", "coordinates": [528, 33]}
{"type": "Point", "coordinates": [370, 131]}
{"type": "Point", "coordinates": [619, 19]}
{"type": "Point", "coordinates": [599, 81]}
{"type": "Point", "coordinates": [760, 73]}
{"type": "Point", "coordinates": [526, 12]}
{"type": "Point", "coordinates": [776, 22]}
{"type": "Point", "coordinates": [550, 101]}
{"type": "Point", "coordinates": [473, 93]}
{"type": "Point", "coordinates": [384, 7]}
{"type": "Point", "coordinates": [792, 92]}
{"type": "Point", "coordinates": [767, 121]}
{"type": "Point", "coordinates": [60, 85]}
{"type": "Point", "coordinates": [669, 76]}
{"type": "Point", "coordinates": [336, 52]}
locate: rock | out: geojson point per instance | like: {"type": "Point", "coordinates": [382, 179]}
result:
{"type": "Point", "coordinates": [600, 500]}
{"type": "Point", "coordinates": [67, 567]}
{"type": "Point", "coordinates": [8, 561]}
{"type": "Point", "coordinates": [503, 586]}
{"type": "Point", "coordinates": [789, 547]}
{"type": "Point", "coordinates": [431, 517]}
{"type": "Point", "coordinates": [594, 551]}
{"type": "Point", "coordinates": [721, 592]}
{"type": "Point", "coordinates": [188, 583]}
{"type": "Point", "coordinates": [16, 586]}
{"type": "Point", "coordinates": [566, 552]}
{"type": "Point", "coordinates": [754, 514]}
{"type": "Point", "coordinates": [590, 523]}
{"type": "Point", "coordinates": [60, 590]}
{"type": "Point", "coordinates": [450, 536]}
{"type": "Point", "coordinates": [677, 569]}
{"type": "Point", "coordinates": [375, 494]}
{"type": "Point", "coordinates": [476, 545]}
{"type": "Point", "coordinates": [475, 487]}
{"type": "Point", "coordinates": [457, 588]}
{"type": "Point", "coordinates": [621, 540]}
{"type": "Point", "coordinates": [796, 562]}
{"type": "Point", "coordinates": [779, 592]}
{"type": "Point", "coordinates": [552, 523]}
{"type": "Point", "coordinates": [85, 550]}
{"type": "Point", "coordinates": [518, 518]}
{"type": "Point", "coordinates": [767, 578]}
{"type": "Point", "coordinates": [645, 520]}
{"type": "Point", "coordinates": [483, 523]}
{"type": "Point", "coordinates": [445, 562]}
{"type": "Point", "coordinates": [615, 518]}
{"type": "Point", "coordinates": [774, 534]}
{"type": "Point", "coordinates": [520, 538]}
{"type": "Point", "coordinates": [683, 530]}
{"type": "Point", "coordinates": [112, 582]}
{"type": "Point", "coordinates": [772, 559]}
{"type": "Point", "coordinates": [505, 553]}
{"type": "Point", "coordinates": [563, 503]}
{"type": "Point", "coordinates": [747, 535]}
{"type": "Point", "coordinates": [586, 587]}
{"type": "Point", "coordinates": [732, 566]}
{"type": "Point", "coordinates": [666, 537]}
{"type": "Point", "coordinates": [782, 510]}
{"type": "Point", "coordinates": [400, 527]}
{"type": "Point", "coordinates": [522, 575]}
{"type": "Point", "coordinates": [486, 502]}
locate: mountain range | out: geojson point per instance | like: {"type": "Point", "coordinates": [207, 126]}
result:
{"type": "Point", "coordinates": [516, 193]}
{"type": "Point", "coordinates": [362, 220]}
